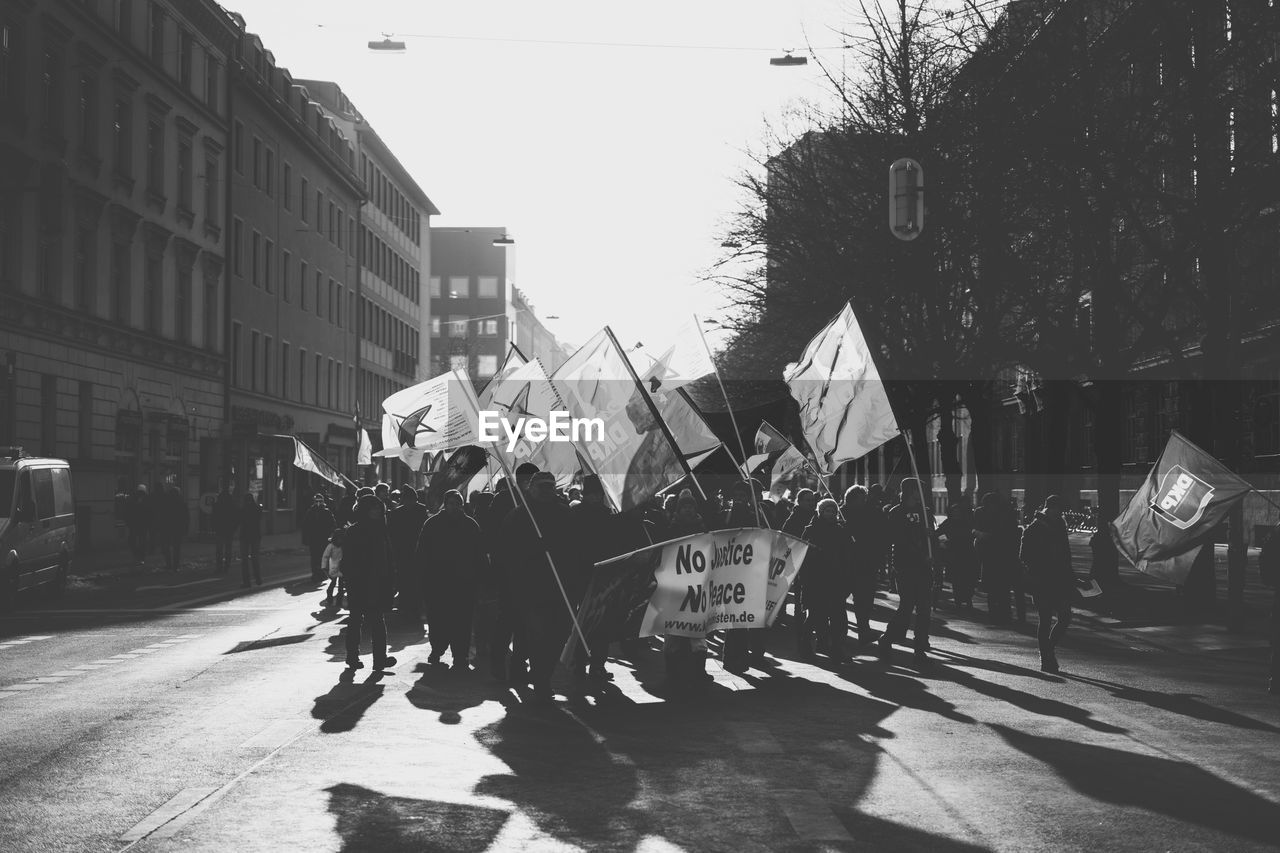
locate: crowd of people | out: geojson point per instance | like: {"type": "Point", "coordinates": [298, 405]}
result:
{"type": "Point", "coordinates": [478, 570]}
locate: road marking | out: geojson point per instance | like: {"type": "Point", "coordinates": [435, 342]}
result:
{"type": "Point", "coordinates": [178, 585]}
{"type": "Point", "coordinates": [810, 817]}
{"type": "Point", "coordinates": [278, 733]}
{"type": "Point", "coordinates": [145, 650]}
{"type": "Point", "coordinates": [48, 679]}
{"type": "Point", "coordinates": [22, 687]}
{"type": "Point", "coordinates": [218, 596]}
{"type": "Point", "coordinates": [66, 673]}
{"type": "Point", "coordinates": [179, 803]}
{"type": "Point", "coordinates": [103, 662]}
{"type": "Point", "coordinates": [22, 641]}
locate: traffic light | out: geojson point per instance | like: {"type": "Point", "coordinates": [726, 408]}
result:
{"type": "Point", "coordinates": [906, 199]}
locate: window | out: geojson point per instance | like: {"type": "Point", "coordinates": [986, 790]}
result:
{"type": "Point", "coordinates": [435, 327]}
{"type": "Point", "coordinates": [235, 354]}
{"type": "Point", "coordinates": [268, 266]}
{"type": "Point", "coordinates": [489, 328]}
{"type": "Point", "coordinates": [155, 157]}
{"type": "Point", "coordinates": [184, 174]}
{"type": "Point", "coordinates": [302, 285]}
{"type": "Point", "coordinates": [486, 366]}
{"type": "Point", "coordinates": [338, 305]}
{"type": "Point", "coordinates": [182, 306]}
{"type": "Point", "coordinates": [257, 163]}
{"type": "Point", "coordinates": [269, 173]}
{"type": "Point", "coordinates": [88, 109]}
{"type": "Point", "coordinates": [151, 296]}
{"type": "Point", "coordinates": [319, 366]}
{"type": "Point", "coordinates": [120, 282]}
{"type": "Point", "coordinates": [211, 326]}
{"type": "Point", "coordinates": [255, 341]}
{"type": "Point", "coordinates": [185, 49]}
{"type": "Point", "coordinates": [319, 293]}
{"type": "Point", "coordinates": [51, 92]}
{"type": "Point", "coordinates": [268, 349]}
{"type": "Point", "coordinates": [286, 186]}
{"type": "Point", "coordinates": [284, 370]}
{"type": "Point", "coordinates": [122, 136]}
{"type": "Point", "coordinates": [211, 70]}
{"type": "Point", "coordinates": [302, 199]}
{"type": "Point", "coordinates": [84, 423]}
{"type": "Point", "coordinates": [237, 147]}
{"type": "Point", "coordinates": [457, 327]}
{"type": "Point", "coordinates": [487, 287]}
{"type": "Point", "coordinates": [286, 261]}
{"type": "Point", "coordinates": [10, 90]}
{"type": "Point", "coordinates": [255, 274]}
{"type": "Point", "coordinates": [457, 362]}
{"type": "Point", "coordinates": [82, 272]}
{"type": "Point", "coordinates": [434, 284]}
{"type": "Point", "coordinates": [155, 40]}
{"type": "Point", "coordinates": [42, 480]}
{"type": "Point", "coordinates": [319, 211]}
{"type": "Point", "coordinates": [459, 287]}
{"type": "Point", "coordinates": [302, 375]}
{"type": "Point", "coordinates": [332, 227]}
{"type": "Point", "coordinates": [237, 246]}
{"type": "Point", "coordinates": [329, 297]}
{"type": "Point", "coordinates": [211, 191]}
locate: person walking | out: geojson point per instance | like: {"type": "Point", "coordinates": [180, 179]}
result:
{"type": "Point", "coordinates": [535, 591]}
{"type": "Point", "coordinates": [331, 563]}
{"type": "Point", "coordinates": [797, 521]}
{"type": "Point", "coordinates": [226, 518]}
{"type": "Point", "coordinates": [366, 569]}
{"type": "Point", "coordinates": [743, 647]}
{"type": "Point", "coordinates": [1046, 552]}
{"type": "Point", "coordinates": [686, 657]}
{"type": "Point", "coordinates": [174, 527]}
{"type": "Point", "coordinates": [404, 526]}
{"type": "Point", "coordinates": [996, 537]}
{"type": "Point", "coordinates": [138, 520]}
{"type": "Point", "coordinates": [910, 528]}
{"type": "Point", "coordinates": [962, 559]}
{"type": "Point", "coordinates": [250, 540]}
{"type": "Point", "coordinates": [865, 525]}
{"type": "Point", "coordinates": [826, 574]}
{"type": "Point", "coordinates": [317, 527]}
{"type": "Point", "coordinates": [508, 655]}
{"type": "Point", "coordinates": [450, 559]}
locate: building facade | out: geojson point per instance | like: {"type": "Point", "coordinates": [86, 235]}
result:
{"type": "Point", "coordinates": [113, 215]}
{"type": "Point", "coordinates": [293, 341]}
{"type": "Point", "coordinates": [394, 251]}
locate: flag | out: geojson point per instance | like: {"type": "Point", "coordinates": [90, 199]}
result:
{"type": "Point", "coordinates": [1167, 520]}
{"type": "Point", "coordinates": [456, 473]}
{"type": "Point", "coordinates": [675, 362]}
{"type": "Point", "coordinates": [307, 459]}
{"type": "Point", "coordinates": [525, 391]}
{"type": "Point", "coordinates": [769, 439]}
{"type": "Point", "coordinates": [514, 360]}
{"type": "Point", "coordinates": [365, 454]}
{"type": "Point", "coordinates": [844, 410]}
{"type": "Point", "coordinates": [428, 417]}
{"type": "Point", "coordinates": [634, 459]}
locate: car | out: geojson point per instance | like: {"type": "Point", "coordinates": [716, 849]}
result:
{"type": "Point", "coordinates": [37, 524]}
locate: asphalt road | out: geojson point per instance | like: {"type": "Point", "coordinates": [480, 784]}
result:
{"type": "Point", "coordinates": [154, 720]}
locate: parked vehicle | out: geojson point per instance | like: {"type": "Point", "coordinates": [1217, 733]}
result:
{"type": "Point", "coordinates": [37, 523]}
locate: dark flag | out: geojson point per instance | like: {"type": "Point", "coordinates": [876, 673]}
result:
{"type": "Point", "coordinates": [456, 473]}
{"type": "Point", "coordinates": [1184, 497]}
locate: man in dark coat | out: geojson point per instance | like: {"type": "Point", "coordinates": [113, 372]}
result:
{"type": "Point", "coordinates": [911, 531]}
{"type": "Point", "coordinates": [538, 596]}
{"type": "Point", "coordinates": [226, 518]}
{"type": "Point", "coordinates": [743, 647]}
{"type": "Point", "coordinates": [450, 560]}
{"type": "Point", "coordinates": [797, 521]}
{"type": "Point", "coordinates": [826, 574]}
{"type": "Point", "coordinates": [1046, 552]}
{"type": "Point", "coordinates": [317, 527]}
{"type": "Point", "coordinates": [962, 559]}
{"type": "Point", "coordinates": [175, 523]}
{"type": "Point", "coordinates": [508, 656]}
{"type": "Point", "coordinates": [996, 537]}
{"type": "Point", "coordinates": [404, 525]}
{"type": "Point", "coordinates": [250, 540]}
{"type": "Point", "coordinates": [366, 569]}
{"type": "Point", "coordinates": [864, 522]}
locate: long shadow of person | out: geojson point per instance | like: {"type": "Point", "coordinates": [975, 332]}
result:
{"type": "Point", "coordinates": [369, 820]}
{"type": "Point", "coordinates": [1027, 701]}
{"type": "Point", "coordinates": [450, 693]}
{"type": "Point", "coordinates": [1188, 794]}
{"type": "Point", "coordinates": [1184, 704]}
{"type": "Point", "coordinates": [346, 702]}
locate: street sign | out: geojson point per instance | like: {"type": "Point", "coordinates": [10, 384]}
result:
{"type": "Point", "coordinates": [906, 199]}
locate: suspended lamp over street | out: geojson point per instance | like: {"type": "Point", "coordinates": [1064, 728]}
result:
{"type": "Point", "coordinates": [387, 46]}
{"type": "Point", "coordinates": [788, 59]}
{"type": "Point", "coordinates": [504, 240]}
{"type": "Point", "coordinates": [906, 199]}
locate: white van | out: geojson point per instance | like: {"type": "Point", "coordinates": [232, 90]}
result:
{"type": "Point", "coordinates": [37, 523]}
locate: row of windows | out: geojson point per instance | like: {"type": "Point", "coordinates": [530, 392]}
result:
{"type": "Point", "coordinates": [386, 264]}
{"type": "Point", "coordinates": [385, 196]}
{"type": "Point", "coordinates": [457, 326]}
{"type": "Point", "coordinates": [373, 390]}
{"type": "Point", "coordinates": [460, 287]}
{"type": "Point", "coordinates": [307, 378]}
{"type": "Point", "coordinates": [482, 367]}
{"type": "Point", "coordinates": [381, 328]}
{"type": "Point", "coordinates": [312, 290]}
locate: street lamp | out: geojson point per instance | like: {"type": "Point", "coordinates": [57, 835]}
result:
{"type": "Point", "coordinates": [387, 46]}
{"type": "Point", "coordinates": [788, 60]}
{"type": "Point", "coordinates": [503, 241]}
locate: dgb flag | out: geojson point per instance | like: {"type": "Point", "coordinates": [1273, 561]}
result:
{"type": "Point", "coordinates": [429, 417]}
{"type": "Point", "coordinates": [1183, 498]}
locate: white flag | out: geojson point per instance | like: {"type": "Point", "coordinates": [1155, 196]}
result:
{"type": "Point", "coordinates": [844, 410]}
{"type": "Point", "coordinates": [429, 417]}
{"type": "Point", "coordinates": [308, 460]}
{"type": "Point", "coordinates": [525, 391]}
{"type": "Point", "coordinates": [674, 362]}
{"type": "Point", "coordinates": [365, 455]}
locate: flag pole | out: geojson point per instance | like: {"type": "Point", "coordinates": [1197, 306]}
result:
{"type": "Point", "coordinates": [733, 419]}
{"type": "Point", "coordinates": [653, 410]}
{"type": "Point", "coordinates": [924, 506]}
{"type": "Point", "coordinates": [469, 393]}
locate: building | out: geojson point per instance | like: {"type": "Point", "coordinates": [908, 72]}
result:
{"type": "Point", "coordinates": [477, 312]}
{"type": "Point", "coordinates": [113, 235]}
{"type": "Point", "coordinates": [395, 260]}
{"type": "Point", "coordinates": [294, 294]}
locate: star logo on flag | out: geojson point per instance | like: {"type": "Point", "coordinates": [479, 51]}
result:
{"type": "Point", "coordinates": [412, 426]}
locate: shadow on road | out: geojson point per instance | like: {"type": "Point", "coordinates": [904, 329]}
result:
{"type": "Point", "coordinates": [346, 702]}
{"type": "Point", "coordinates": [368, 820]}
{"type": "Point", "coordinates": [1166, 787]}
{"type": "Point", "coordinates": [1183, 704]}
{"type": "Point", "coordinates": [449, 693]}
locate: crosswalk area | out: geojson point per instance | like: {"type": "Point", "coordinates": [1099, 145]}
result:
{"type": "Point", "coordinates": [24, 687]}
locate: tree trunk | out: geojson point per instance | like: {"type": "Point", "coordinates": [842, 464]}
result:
{"type": "Point", "coordinates": [949, 445]}
{"type": "Point", "coordinates": [1057, 394]}
{"type": "Point", "coordinates": [977, 400]}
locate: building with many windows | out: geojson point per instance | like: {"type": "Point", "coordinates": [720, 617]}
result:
{"type": "Point", "coordinates": [293, 338]}
{"type": "Point", "coordinates": [113, 217]}
{"type": "Point", "coordinates": [395, 261]}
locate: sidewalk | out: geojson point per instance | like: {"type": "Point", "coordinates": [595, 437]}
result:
{"type": "Point", "coordinates": [116, 562]}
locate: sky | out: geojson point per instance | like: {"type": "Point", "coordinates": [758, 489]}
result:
{"type": "Point", "coordinates": [612, 166]}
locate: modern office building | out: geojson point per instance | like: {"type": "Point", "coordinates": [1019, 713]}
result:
{"type": "Point", "coordinates": [113, 235]}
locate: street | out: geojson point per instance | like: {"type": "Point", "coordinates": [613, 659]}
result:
{"type": "Point", "coordinates": [174, 724]}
